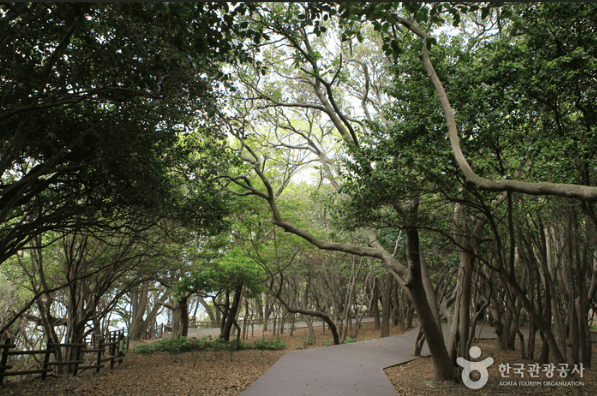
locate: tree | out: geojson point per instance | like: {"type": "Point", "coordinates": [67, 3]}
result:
{"type": "Point", "coordinates": [143, 309]}
{"type": "Point", "coordinates": [388, 176]}
{"type": "Point", "coordinates": [317, 77]}
{"type": "Point", "coordinates": [550, 99]}
{"type": "Point", "coordinates": [82, 277]}
{"type": "Point", "coordinates": [581, 18]}
{"type": "Point", "coordinates": [104, 109]}
{"type": "Point", "coordinates": [233, 276]}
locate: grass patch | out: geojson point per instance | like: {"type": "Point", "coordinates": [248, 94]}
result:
{"type": "Point", "coordinates": [207, 342]}
{"type": "Point", "coordinates": [269, 345]}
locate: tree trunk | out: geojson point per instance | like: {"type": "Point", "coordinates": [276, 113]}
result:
{"type": "Point", "coordinates": [306, 306]}
{"type": "Point", "coordinates": [409, 317]}
{"type": "Point", "coordinates": [224, 311]}
{"type": "Point", "coordinates": [386, 305]}
{"type": "Point", "coordinates": [466, 262]}
{"type": "Point", "coordinates": [49, 329]}
{"type": "Point", "coordinates": [231, 314]}
{"type": "Point", "coordinates": [183, 302]}
{"type": "Point", "coordinates": [266, 313]}
{"type": "Point", "coordinates": [176, 318]}
{"type": "Point", "coordinates": [395, 309]}
{"type": "Point", "coordinates": [139, 301]}
{"type": "Point", "coordinates": [326, 318]}
{"type": "Point", "coordinates": [259, 307]}
{"type": "Point", "coordinates": [208, 309]}
{"type": "Point", "coordinates": [531, 343]}
{"type": "Point", "coordinates": [374, 304]}
{"type": "Point", "coordinates": [430, 292]}
{"type": "Point", "coordinates": [444, 367]}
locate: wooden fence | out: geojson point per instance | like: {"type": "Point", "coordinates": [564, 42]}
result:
{"type": "Point", "coordinates": [215, 324]}
{"type": "Point", "coordinates": [157, 332]}
{"type": "Point", "coordinates": [110, 350]}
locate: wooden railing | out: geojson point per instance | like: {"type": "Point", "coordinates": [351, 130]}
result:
{"type": "Point", "coordinates": [113, 347]}
{"type": "Point", "coordinates": [215, 324]}
{"type": "Point", "coordinates": [156, 332]}
{"type": "Point", "coordinates": [6, 352]}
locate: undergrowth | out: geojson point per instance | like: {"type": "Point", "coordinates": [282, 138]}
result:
{"type": "Point", "coordinates": [185, 344]}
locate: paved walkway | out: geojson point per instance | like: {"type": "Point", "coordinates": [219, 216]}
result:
{"type": "Point", "coordinates": [348, 369]}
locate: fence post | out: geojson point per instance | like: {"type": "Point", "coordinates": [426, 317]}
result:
{"type": "Point", "coordinates": [100, 346]}
{"type": "Point", "coordinates": [77, 354]}
{"type": "Point", "coordinates": [46, 359]}
{"type": "Point", "coordinates": [112, 345]}
{"type": "Point", "coordinates": [4, 360]}
{"type": "Point", "coordinates": [120, 350]}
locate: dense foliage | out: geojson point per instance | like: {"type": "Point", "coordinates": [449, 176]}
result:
{"type": "Point", "coordinates": [105, 109]}
{"type": "Point", "coordinates": [184, 344]}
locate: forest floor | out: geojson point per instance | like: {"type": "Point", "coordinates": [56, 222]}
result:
{"type": "Point", "coordinates": [223, 373]}
{"type": "Point", "coordinates": [414, 377]}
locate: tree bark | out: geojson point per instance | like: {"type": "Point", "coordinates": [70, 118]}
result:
{"type": "Point", "coordinates": [208, 309]}
{"type": "Point", "coordinates": [184, 315]}
{"type": "Point", "coordinates": [374, 304]}
{"type": "Point", "coordinates": [140, 300]}
{"type": "Point", "coordinates": [306, 306]}
{"type": "Point", "coordinates": [386, 305]}
{"type": "Point", "coordinates": [430, 292]}
{"type": "Point", "coordinates": [324, 317]}
{"type": "Point", "coordinates": [444, 367]}
{"type": "Point", "coordinates": [231, 314]}
{"type": "Point", "coordinates": [176, 316]}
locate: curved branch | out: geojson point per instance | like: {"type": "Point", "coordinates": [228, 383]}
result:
{"type": "Point", "coordinates": [377, 251]}
{"type": "Point", "coordinates": [365, 96]}
{"type": "Point", "coordinates": [584, 193]}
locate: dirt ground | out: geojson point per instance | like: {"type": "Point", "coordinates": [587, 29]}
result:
{"type": "Point", "coordinates": [191, 373]}
{"type": "Point", "coordinates": [414, 378]}
{"type": "Point", "coordinates": [220, 373]}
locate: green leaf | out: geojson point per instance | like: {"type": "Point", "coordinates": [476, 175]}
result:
{"type": "Point", "coordinates": [431, 41]}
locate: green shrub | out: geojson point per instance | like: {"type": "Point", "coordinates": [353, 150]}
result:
{"type": "Point", "coordinates": [308, 341]}
{"type": "Point", "coordinates": [269, 345]}
{"type": "Point", "coordinates": [328, 342]}
{"type": "Point", "coordinates": [349, 340]}
{"type": "Point", "coordinates": [239, 346]}
{"type": "Point", "coordinates": [184, 344]}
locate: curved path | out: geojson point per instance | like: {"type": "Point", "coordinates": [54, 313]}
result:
{"type": "Point", "coordinates": [348, 369]}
